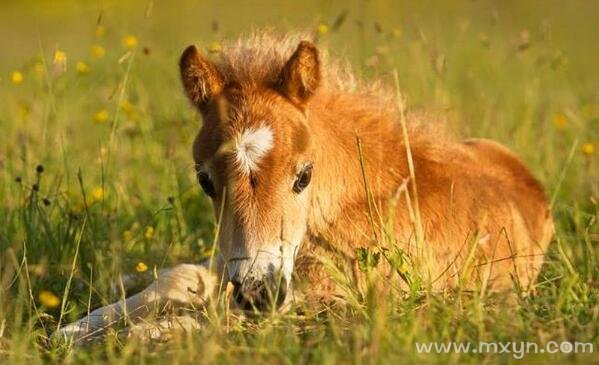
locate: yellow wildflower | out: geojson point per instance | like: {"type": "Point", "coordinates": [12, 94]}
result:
{"type": "Point", "coordinates": [397, 32]}
{"type": "Point", "coordinates": [322, 29]}
{"type": "Point", "coordinates": [60, 60]}
{"type": "Point", "coordinates": [560, 121]}
{"type": "Point", "coordinates": [60, 56]}
{"type": "Point", "coordinates": [48, 299]}
{"type": "Point", "coordinates": [97, 194]}
{"type": "Point", "coordinates": [129, 109]}
{"type": "Point", "coordinates": [101, 116]}
{"type": "Point", "coordinates": [38, 270]}
{"type": "Point", "coordinates": [129, 41]}
{"type": "Point", "coordinates": [127, 106]}
{"type": "Point", "coordinates": [141, 267]}
{"type": "Point", "coordinates": [101, 156]}
{"type": "Point", "coordinates": [588, 148]}
{"type": "Point", "coordinates": [97, 51]}
{"type": "Point", "coordinates": [82, 67]}
{"type": "Point", "coordinates": [149, 232]}
{"type": "Point", "coordinates": [100, 31]}
{"type": "Point", "coordinates": [16, 77]}
{"type": "Point", "coordinates": [103, 152]}
{"type": "Point", "coordinates": [127, 236]}
{"type": "Point", "coordinates": [207, 251]}
{"type": "Point", "coordinates": [215, 47]}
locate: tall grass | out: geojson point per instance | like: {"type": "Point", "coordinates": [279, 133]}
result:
{"type": "Point", "coordinates": [115, 195]}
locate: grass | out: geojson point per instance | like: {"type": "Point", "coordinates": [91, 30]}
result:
{"type": "Point", "coordinates": [91, 94]}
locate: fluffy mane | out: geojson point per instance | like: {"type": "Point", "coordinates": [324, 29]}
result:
{"type": "Point", "coordinates": [259, 58]}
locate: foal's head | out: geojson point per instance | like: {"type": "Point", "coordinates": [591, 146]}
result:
{"type": "Point", "coordinates": [253, 159]}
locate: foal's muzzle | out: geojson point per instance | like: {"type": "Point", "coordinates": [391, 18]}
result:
{"type": "Point", "coordinates": [262, 294]}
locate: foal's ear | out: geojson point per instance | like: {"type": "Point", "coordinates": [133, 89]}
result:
{"type": "Point", "coordinates": [201, 79]}
{"type": "Point", "coordinates": [301, 74]}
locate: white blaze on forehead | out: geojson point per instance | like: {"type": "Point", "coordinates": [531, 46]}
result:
{"type": "Point", "coordinates": [251, 146]}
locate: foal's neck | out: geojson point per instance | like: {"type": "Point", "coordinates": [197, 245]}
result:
{"type": "Point", "coordinates": [353, 142]}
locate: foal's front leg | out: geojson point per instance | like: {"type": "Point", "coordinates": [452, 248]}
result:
{"type": "Point", "coordinates": [184, 284]}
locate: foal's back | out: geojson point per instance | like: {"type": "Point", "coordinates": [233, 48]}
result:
{"type": "Point", "coordinates": [484, 214]}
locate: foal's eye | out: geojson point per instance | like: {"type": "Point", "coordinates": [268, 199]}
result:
{"type": "Point", "coordinates": [206, 183]}
{"type": "Point", "coordinates": [303, 179]}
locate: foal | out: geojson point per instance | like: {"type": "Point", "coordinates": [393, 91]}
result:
{"type": "Point", "coordinates": [303, 164]}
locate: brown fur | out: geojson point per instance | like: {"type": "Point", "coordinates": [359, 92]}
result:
{"type": "Point", "coordinates": [485, 219]}
{"type": "Point", "coordinates": [469, 190]}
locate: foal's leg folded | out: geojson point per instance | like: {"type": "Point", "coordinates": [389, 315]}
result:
{"type": "Point", "coordinates": [183, 284]}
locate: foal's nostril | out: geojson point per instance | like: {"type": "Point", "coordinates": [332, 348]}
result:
{"type": "Point", "coordinates": [236, 289]}
{"type": "Point", "coordinates": [241, 295]}
{"type": "Point", "coordinates": [260, 294]}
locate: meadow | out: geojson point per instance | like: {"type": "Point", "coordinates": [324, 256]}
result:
{"type": "Point", "coordinates": [97, 180]}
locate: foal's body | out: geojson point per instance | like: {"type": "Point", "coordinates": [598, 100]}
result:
{"type": "Point", "coordinates": [475, 191]}
{"type": "Point", "coordinates": [270, 114]}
